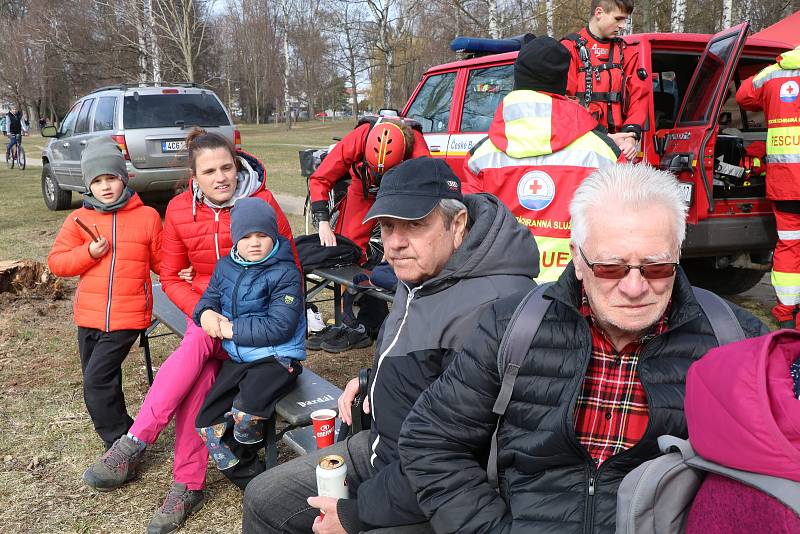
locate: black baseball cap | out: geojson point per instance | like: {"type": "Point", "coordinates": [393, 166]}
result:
{"type": "Point", "coordinates": [411, 190]}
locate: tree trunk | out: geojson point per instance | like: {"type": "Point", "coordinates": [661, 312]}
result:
{"type": "Point", "coordinates": [152, 44]}
{"type": "Point", "coordinates": [141, 39]}
{"type": "Point", "coordinates": [550, 15]}
{"type": "Point", "coordinates": [727, 14]}
{"type": "Point", "coordinates": [286, 73]}
{"type": "Point", "coordinates": [678, 15]}
{"type": "Point", "coordinates": [494, 26]}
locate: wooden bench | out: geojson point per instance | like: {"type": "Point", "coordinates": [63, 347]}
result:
{"type": "Point", "coordinates": [311, 392]}
{"type": "Point", "coordinates": [334, 278]}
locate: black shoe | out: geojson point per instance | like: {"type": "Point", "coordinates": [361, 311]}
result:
{"type": "Point", "coordinates": [328, 333]}
{"type": "Point", "coordinates": [351, 338]}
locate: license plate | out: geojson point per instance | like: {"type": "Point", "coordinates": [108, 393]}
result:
{"type": "Point", "coordinates": [686, 190]}
{"type": "Point", "coordinates": [173, 146]}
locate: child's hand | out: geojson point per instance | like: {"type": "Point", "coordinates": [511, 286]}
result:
{"type": "Point", "coordinates": [187, 274]}
{"type": "Point", "coordinates": [226, 328]}
{"type": "Point", "coordinates": [210, 323]}
{"type": "Point", "coordinates": [99, 248]}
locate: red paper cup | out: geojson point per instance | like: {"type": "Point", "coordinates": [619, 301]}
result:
{"type": "Point", "coordinates": [324, 425]}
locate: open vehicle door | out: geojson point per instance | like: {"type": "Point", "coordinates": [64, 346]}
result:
{"type": "Point", "coordinates": [689, 146]}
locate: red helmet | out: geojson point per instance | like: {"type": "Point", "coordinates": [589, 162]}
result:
{"type": "Point", "coordinates": [386, 147]}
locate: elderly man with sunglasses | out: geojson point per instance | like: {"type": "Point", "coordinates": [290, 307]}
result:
{"type": "Point", "coordinates": [601, 380]}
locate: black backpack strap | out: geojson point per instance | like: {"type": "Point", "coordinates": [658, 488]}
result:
{"type": "Point", "coordinates": [723, 321]}
{"type": "Point", "coordinates": [514, 347]}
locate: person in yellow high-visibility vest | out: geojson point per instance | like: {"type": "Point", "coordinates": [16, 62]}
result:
{"type": "Point", "coordinates": [540, 147]}
{"type": "Point", "coordinates": [776, 91]}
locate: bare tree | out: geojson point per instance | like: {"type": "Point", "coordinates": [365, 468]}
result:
{"type": "Point", "coordinates": [348, 19]}
{"type": "Point", "coordinates": [183, 24]}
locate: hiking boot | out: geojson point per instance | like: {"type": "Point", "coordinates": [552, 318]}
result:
{"type": "Point", "coordinates": [328, 333]}
{"type": "Point", "coordinates": [351, 338]}
{"type": "Point", "coordinates": [117, 466]}
{"type": "Point", "coordinates": [178, 506]}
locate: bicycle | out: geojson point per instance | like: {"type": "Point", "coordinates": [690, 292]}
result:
{"type": "Point", "coordinates": [16, 156]}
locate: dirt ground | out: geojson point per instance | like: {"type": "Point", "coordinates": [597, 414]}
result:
{"type": "Point", "coordinates": [47, 440]}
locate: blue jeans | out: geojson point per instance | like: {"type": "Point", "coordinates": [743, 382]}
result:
{"type": "Point", "coordinates": [13, 139]}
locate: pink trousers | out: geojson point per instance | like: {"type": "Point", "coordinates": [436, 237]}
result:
{"type": "Point", "coordinates": [179, 389]}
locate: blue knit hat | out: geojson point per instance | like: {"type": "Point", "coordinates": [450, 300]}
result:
{"type": "Point", "coordinates": [253, 215]}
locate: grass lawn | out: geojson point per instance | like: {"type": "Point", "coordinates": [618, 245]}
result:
{"type": "Point", "coordinates": [278, 149]}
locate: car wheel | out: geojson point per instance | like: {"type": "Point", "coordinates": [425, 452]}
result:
{"type": "Point", "coordinates": [55, 198]}
{"type": "Point", "coordinates": [728, 281]}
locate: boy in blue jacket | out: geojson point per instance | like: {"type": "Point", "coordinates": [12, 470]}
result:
{"type": "Point", "coordinates": [254, 303]}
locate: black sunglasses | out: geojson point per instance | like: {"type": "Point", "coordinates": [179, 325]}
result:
{"type": "Point", "coordinates": [616, 271]}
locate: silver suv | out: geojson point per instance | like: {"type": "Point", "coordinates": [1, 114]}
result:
{"type": "Point", "coordinates": [149, 122]}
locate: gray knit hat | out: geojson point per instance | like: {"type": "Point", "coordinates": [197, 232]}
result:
{"type": "Point", "coordinates": [252, 214]}
{"type": "Point", "coordinates": [102, 156]}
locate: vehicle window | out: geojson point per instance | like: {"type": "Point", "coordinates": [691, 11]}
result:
{"type": "Point", "coordinates": [161, 110]}
{"type": "Point", "coordinates": [665, 99]}
{"type": "Point", "coordinates": [701, 94]}
{"type": "Point", "coordinates": [104, 114]}
{"type": "Point", "coordinates": [68, 124]}
{"type": "Point", "coordinates": [431, 107]}
{"type": "Point", "coordinates": [485, 89]}
{"type": "Point", "coordinates": [82, 124]}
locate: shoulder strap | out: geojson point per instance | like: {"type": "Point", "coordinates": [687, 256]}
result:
{"type": "Point", "coordinates": [723, 322]}
{"type": "Point", "coordinates": [514, 347]}
{"type": "Point", "coordinates": [785, 490]}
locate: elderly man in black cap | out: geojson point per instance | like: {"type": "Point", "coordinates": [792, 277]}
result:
{"type": "Point", "coordinates": [540, 147]}
{"type": "Point", "coordinates": [450, 253]}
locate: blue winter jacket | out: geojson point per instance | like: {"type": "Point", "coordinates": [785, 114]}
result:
{"type": "Point", "coordinates": [265, 304]}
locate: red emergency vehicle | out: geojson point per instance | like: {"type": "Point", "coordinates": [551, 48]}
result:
{"type": "Point", "coordinates": [695, 129]}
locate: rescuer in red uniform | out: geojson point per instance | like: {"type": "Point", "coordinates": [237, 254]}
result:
{"type": "Point", "coordinates": [776, 91]}
{"type": "Point", "coordinates": [363, 155]}
{"type": "Point", "coordinates": [604, 74]}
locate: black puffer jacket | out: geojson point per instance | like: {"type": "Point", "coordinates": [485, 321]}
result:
{"type": "Point", "coordinates": [548, 482]}
{"type": "Point", "coordinates": [425, 328]}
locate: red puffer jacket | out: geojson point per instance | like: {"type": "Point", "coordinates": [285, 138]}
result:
{"type": "Point", "coordinates": [198, 235]}
{"type": "Point", "coordinates": [114, 292]}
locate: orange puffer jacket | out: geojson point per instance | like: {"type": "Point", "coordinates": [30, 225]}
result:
{"type": "Point", "coordinates": [114, 292]}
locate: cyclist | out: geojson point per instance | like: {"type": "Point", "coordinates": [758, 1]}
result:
{"type": "Point", "coordinates": [15, 126]}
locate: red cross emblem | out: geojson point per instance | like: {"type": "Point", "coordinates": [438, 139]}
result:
{"type": "Point", "coordinates": [790, 89]}
{"type": "Point", "coordinates": [534, 187]}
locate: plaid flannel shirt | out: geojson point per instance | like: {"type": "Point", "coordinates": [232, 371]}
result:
{"type": "Point", "coordinates": [611, 413]}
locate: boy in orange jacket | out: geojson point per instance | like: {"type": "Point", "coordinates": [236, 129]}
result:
{"type": "Point", "coordinates": [112, 243]}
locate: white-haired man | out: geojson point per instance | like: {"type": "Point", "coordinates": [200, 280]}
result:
{"type": "Point", "coordinates": [603, 376]}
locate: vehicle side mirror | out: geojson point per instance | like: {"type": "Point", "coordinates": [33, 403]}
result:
{"type": "Point", "coordinates": [49, 131]}
{"type": "Point", "coordinates": [725, 118]}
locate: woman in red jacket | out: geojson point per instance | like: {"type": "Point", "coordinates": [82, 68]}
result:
{"type": "Point", "coordinates": [196, 234]}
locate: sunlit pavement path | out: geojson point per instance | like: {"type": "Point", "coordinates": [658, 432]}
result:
{"type": "Point", "coordinates": [290, 203]}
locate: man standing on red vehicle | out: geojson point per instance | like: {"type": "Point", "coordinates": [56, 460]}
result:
{"type": "Point", "coordinates": [775, 90]}
{"type": "Point", "coordinates": [539, 149]}
{"type": "Point", "coordinates": [604, 74]}
{"type": "Point", "coordinates": [364, 155]}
